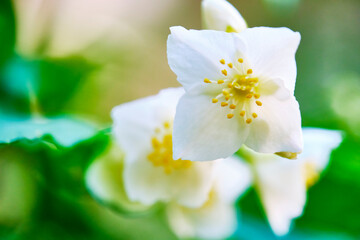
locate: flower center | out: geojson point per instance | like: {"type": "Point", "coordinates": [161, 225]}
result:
{"type": "Point", "coordinates": [237, 90]}
{"type": "Point", "coordinates": [161, 156]}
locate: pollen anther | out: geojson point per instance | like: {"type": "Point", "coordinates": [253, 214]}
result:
{"type": "Point", "coordinates": [220, 81]}
{"type": "Point", "coordinates": [257, 96]}
{"type": "Point", "coordinates": [248, 121]}
{"type": "Point", "coordinates": [258, 103]}
{"type": "Point", "coordinates": [249, 95]}
{"type": "Point", "coordinates": [242, 113]}
{"type": "Point", "coordinates": [249, 71]}
{"type": "Point", "coordinates": [224, 72]}
{"type": "Point", "coordinates": [222, 61]}
{"type": "Point", "coordinates": [254, 115]}
{"type": "Point", "coordinates": [240, 60]}
{"type": "Point", "coordinates": [206, 80]}
{"type": "Point", "coordinates": [224, 104]}
{"type": "Point", "coordinates": [215, 100]}
{"type": "Point", "coordinates": [230, 115]}
{"type": "Point", "coordinates": [232, 106]}
{"type": "Point", "coordinates": [230, 65]}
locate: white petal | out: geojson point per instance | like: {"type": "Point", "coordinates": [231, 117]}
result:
{"type": "Point", "coordinates": [318, 144]}
{"type": "Point", "coordinates": [202, 131]}
{"type": "Point", "coordinates": [277, 127]}
{"type": "Point", "coordinates": [104, 179]}
{"type": "Point", "coordinates": [282, 191]}
{"type": "Point", "coordinates": [216, 220]}
{"type": "Point", "coordinates": [148, 184]}
{"type": "Point", "coordinates": [220, 15]}
{"type": "Point", "coordinates": [271, 53]}
{"type": "Point", "coordinates": [194, 55]}
{"type": "Point", "coordinates": [135, 122]}
{"type": "Point", "coordinates": [233, 177]}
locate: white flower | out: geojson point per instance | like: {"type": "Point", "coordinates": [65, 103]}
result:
{"type": "Point", "coordinates": [143, 128]}
{"type": "Point", "coordinates": [216, 219]}
{"type": "Point", "coordinates": [282, 184]}
{"type": "Point", "coordinates": [239, 90]}
{"type": "Point", "coordinates": [221, 15]}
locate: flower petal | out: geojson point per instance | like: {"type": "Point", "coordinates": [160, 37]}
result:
{"type": "Point", "coordinates": [222, 16]}
{"type": "Point", "coordinates": [216, 220]}
{"type": "Point", "coordinates": [194, 55]}
{"type": "Point", "coordinates": [104, 180]}
{"type": "Point", "coordinates": [277, 127]}
{"type": "Point", "coordinates": [135, 122]}
{"type": "Point", "coordinates": [202, 131]}
{"type": "Point", "coordinates": [233, 177]}
{"type": "Point", "coordinates": [271, 53]}
{"type": "Point", "coordinates": [318, 144]}
{"type": "Point", "coordinates": [148, 184]}
{"type": "Point", "coordinates": [282, 191]}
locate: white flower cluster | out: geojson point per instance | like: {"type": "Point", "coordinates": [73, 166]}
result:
{"type": "Point", "coordinates": [237, 96]}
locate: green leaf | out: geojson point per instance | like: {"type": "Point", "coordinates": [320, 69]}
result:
{"type": "Point", "coordinates": [64, 130]}
{"type": "Point", "coordinates": [45, 84]}
{"type": "Point", "coordinates": [7, 30]}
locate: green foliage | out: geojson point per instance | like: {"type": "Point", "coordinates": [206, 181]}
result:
{"type": "Point", "coordinates": [41, 84]}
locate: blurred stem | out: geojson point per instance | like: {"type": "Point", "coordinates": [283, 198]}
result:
{"type": "Point", "coordinates": [33, 102]}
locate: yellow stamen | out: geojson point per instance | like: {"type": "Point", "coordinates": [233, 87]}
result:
{"type": "Point", "coordinates": [220, 81]}
{"type": "Point", "coordinates": [240, 60]}
{"type": "Point", "coordinates": [227, 97]}
{"type": "Point", "coordinates": [254, 115]}
{"type": "Point", "coordinates": [230, 85]}
{"type": "Point", "coordinates": [232, 106]}
{"type": "Point", "coordinates": [249, 71]}
{"type": "Point", "coordinates": [224, 104]}
{"type": "Point", "coordinates": [230, 65]}
{"type": "Point", "coordinates": [224, 72]}
{"type": "Point", "coordinates": [166, 124]}
{"type": "Point", "coordinates": [230, 115]}
{"type": "Point", "coordinates": [206, 80]}
{"type": "Point", "coordinates": [258, 103]}
{"type": "Point", "coordinates": [222, 61]}
{"type": "Point", "coordinates": [215, 100]}
{"type": "Point", "coordinates": [248, 121]}
{"type": "Point", "coordinates": [242, 113]}
{"type": "Point", "coordinates": [249, 95]}
{"type": "Point", "coordinates": [257, 96]}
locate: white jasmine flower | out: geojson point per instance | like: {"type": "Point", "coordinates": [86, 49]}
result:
{"type": "Point", "coordinates": [239, 90]}
{"type": "Point", "coordinates": [282, 184]}
{"type": "Point", "coordinates": [221, 15]}
{"type": "Point", "coordinates": [143, 128]}
{"type": "Point", "coordinates": [216, 219]}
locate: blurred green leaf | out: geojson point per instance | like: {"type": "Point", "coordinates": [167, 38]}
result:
{"type": "Point", "coordinates": [7, 30]}
{"type": "Point", "coordinates": [65, 131]}
{"type": "Point", "coordinates": [46, 84]}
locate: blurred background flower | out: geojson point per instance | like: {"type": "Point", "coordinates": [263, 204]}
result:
{"type": "Point", "coordinates": [66, 61]}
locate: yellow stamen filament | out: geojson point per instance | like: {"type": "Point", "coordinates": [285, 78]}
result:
{"type": "Point", "coordinates": [232, 106]}
{"type": "Point", "coordinates": [254, 115]}
{"type": "Point", "coordinates": [230, 115]}
{"type": "Point", "coordinates": [240, 60]}
{"type": "Point", "coordinates": [230, 65]}
{"type": "Point", "coordinates": [242, 113]}
{"type": "Point", "coordinates": [220, 81]}
{"type": "Point", "coordinates": [224, 104]}
{"type": "Point", "coordinates": [249, 71]}
{"type": "Point", "coordinates": [215, 100]}
{"type": "Point", "coordinates": [258, 103]}
{"type": "Point", "coordinates": [206, 80]}
{"type": "Point", "coordinates": [224, 72]}
{"type": "Point", "coordinates": [248, 121]}
{"type": "Point", "coordinates": [222, 61]}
